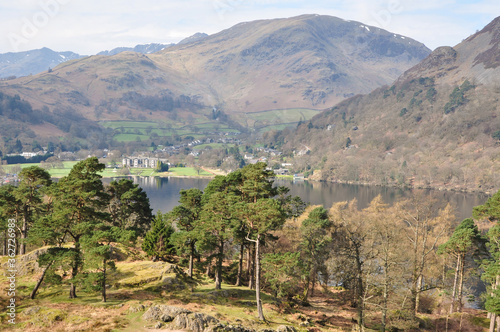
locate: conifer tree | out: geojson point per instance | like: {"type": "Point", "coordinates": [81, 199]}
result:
{"type": "Point", "coordinates": [464, 241]}
{"type": "Point", "coordinates": [29, 193]}
{"type": "Point", "coordinates": [10, 208]}
{"type": "Point", "coordinates": [129, 206]}
{"type": "Point", "coordinates": [314, 246]}
{"type": "Point", "coordinates": [186, 216]}
{"type": "Point", "coordinates": [218, 219]}
{"type": "Point", "coordinates": [491, 211]}
{"type": "Point", "coordinates": [79, 204]}
{"type": "Point", "coordinates": [157, 241]}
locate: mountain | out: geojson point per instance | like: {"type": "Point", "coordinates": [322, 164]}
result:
{"type": "Point", "coordinates": [32, 62]}
{"type": "Point", "coordinates": [437, 125]}
{"type": "Point", "coordinates": [254, 76]}
{"type": "Point", "coordinates": [309, 61]}
{"type": "Point", "coordinates": [144, 49]}
{"type": "Point", "coordinates": [194, 38]}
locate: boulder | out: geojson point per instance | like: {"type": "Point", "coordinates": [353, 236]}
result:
{"type": "Point", "coordinates": [27, 264]}
{"type": "Point", "coordinates": [163, 313]}
{"type": "Point", "coordinates": [194, 322]}
{"type": "Point", "coordinates": [136, 308]}
{"type": "Point", "coordinates": [31, 311]}
{"type": "Point", "coordinates": [286, 328]}
{"type": "Point", "coordinates": [230, 328]}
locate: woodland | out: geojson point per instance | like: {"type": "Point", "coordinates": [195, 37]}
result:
{"type": "Point", "coordinates": [390, 262]}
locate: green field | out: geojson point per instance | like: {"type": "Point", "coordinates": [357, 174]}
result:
{"type": "Point", "coordinates": [187, 171]}
{"type": "Point", "coordinates": [131, 131]}
{"type": "Point", "coordinates": [280, 118]}
{"type": "Point", "coordinates": [213, 145]}
{"type": "Point", "coordinates": [110, 172]}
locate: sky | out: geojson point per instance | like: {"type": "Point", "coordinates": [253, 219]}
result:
{"type": "Point", "coordinates": [89, 26]}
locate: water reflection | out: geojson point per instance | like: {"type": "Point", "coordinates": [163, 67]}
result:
{"type": "Point", "coordinates": [163, 193]}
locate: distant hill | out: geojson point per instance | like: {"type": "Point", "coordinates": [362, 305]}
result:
{"type": "Point", "coordinates": [309, 61]}
{"type": "Point", "coordinates": [144, 49]}
{"type": "Point", "coordinates": [18, 64]}
{"type": "Point", "coordinates": [32, 62]}
{"type": "Point", "coordinates": [194, 38]}
{"type": "Point", "coordinates": [437, 125]}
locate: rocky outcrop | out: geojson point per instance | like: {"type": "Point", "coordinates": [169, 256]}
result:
{"type": "Point", "coordinates": [286, 328]}
{"type": "Point", "coordinates": [163, 313]}
{"type": "Point", "coordinates": [175, 318]}
{"type": "Point", "coordinates": [195, 322]}
{"type": "Point", "coordinates": [27, 264]}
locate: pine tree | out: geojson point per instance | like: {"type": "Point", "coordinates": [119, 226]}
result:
{"type": "Point", "coordinates": [217, 219]}
{"type": "Point", "coordinates": [491, 211]}
{"type": "Point", "coordinates": [314, 245]}
{"type": "Point", "coordinates": [79, 204]}
{"type": "Point", "coordinates": [464, 242]}
{"type": "Point", "coordinates": [157, 241]}
{"type": "Point", "coordinates": [129, 206]}
{"type": "Point", "coordinates": [186, 216]}
{"type": "Point", "coordinates": [29, 193]}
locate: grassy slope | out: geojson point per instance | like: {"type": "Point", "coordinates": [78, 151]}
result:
{"type": "Point", "coordinates": [56, 312]}
{"type": "Point", "coordinates": [109, 173]}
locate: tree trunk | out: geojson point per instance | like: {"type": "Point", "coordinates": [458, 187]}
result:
{"type": "Point", "coordinates": [207, 271]}
{"type": "Point", "coordinates": [461, 283]}
{"type": "Point", "coordinates": [417, 295]}
{"type": "Point", "coordinates": [191, 257]}
{"type": "Point", "coordinates": [313, 281]}
{"type": "Point", "coordinates": [240, 265]}
{"type": "Point", "coordinates": [24, 229]}
{"type": "Point", "coordinates": [257, 279]}
{"type": "Point", "coordinates": [492, 322]}
{"type": "Point", "coordinates": [40, 280]}
{"type": "Point", "coordinates": [251, 274]}
{"type": "Point", "coordinates": [249, 259]}
{"type": "Point", "coordinates": [306, 289]}
{"type": "Point", "coordinates": [104, 280]}
{"type": "Point", "coordinates": [359, 286]}
{"type": "Point", "coordinates": [385, 295]}
{"type": "Point", "coordinates": [74, 270]}
{"type": "Point", "coordinates": [493, 317]}
{"type": "Point", "coordinates": [218, 271]}
{"type": "Point", "coordinates": [455, 282]}
{"type": "Point", "coordinates": [72, 291]}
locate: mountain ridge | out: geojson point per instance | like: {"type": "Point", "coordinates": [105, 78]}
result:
{"type": "Point", "coordinates": [436, 126]}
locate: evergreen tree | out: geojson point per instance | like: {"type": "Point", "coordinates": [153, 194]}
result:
{"type": "Point", "coordinates": [129, 206]}
{"type": "Point", "coordinates": [464, 242]}
{"type": "Point", "coordinates": [218, 219]}
{"type": "Point", "coordinates": [260, 217]}
{"type": "Point", "coordinates": [186, 216]}
{"type": "Point", "coordinates": [157, 242]}
{"type": "Point", "coordinates": [29, 194]}
{"type": "Point", "coordinates": [491, 211]}
{"type": "Point", "coordinates": [79, 204]}
{"type": "Point", "coordinates": [10, 208]}
{"type": "Point", "coordinates": [97, 253]}
{"type": "Point", "coordinates": [314, 245]}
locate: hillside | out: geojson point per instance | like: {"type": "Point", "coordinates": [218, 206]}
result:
{"type": "Point", "coordinates": [32, 62]}
{"type": "Point", "coordinates": [436, 126]}
{"type": "Point", "coordinates": [144, 49]}
{"type": "Point", "coordinates": [309, 61]}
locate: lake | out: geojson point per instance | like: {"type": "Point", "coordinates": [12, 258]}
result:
{"type": "Point", "coordinates": [163, 193]}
